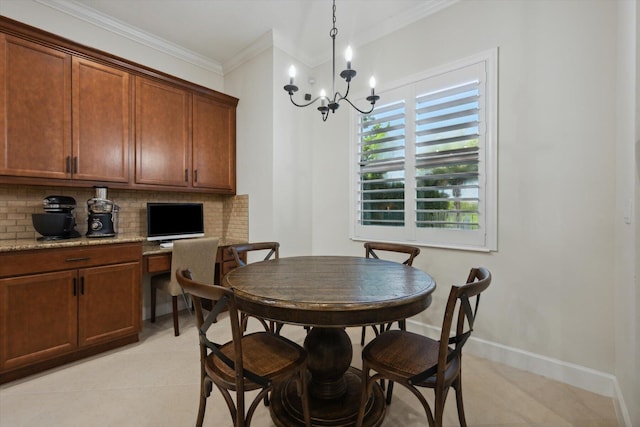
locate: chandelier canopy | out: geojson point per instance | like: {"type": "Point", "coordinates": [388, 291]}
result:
{"type": "Point", "coordinates": [331, 104]}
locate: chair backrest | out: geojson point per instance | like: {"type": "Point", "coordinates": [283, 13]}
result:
{"type": "Point", "coordinates": [199, 255]}
{"type": "Point", "coordinates": [371, 249]}
{"type": "Point", "coordinates": [462, 308]}
{"type": "Point", "coordinates": [224, 298]}
{"type": "Point", "coordinates": [272, 247]}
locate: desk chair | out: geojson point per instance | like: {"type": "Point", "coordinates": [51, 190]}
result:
{"type": "Point", "coordinates": [371, 251]}
{"type": "Point", "coordinates": [256, 361]}
{"type": "Point", "coordinates": [413, 360]}
{"type": "Point", "coordinates": [200, 255]}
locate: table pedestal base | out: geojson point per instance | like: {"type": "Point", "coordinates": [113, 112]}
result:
{"type": "Point", "coordinates": [286, 406]}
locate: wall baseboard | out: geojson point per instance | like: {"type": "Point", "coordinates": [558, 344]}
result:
{"type": "Point", "coordinates": [555, 369]}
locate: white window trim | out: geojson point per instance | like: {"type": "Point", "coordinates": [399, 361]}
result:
{"type": "Point", "coordinates": [445, 238]}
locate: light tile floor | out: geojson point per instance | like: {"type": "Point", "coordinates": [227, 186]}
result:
{"type": "Point", "coordinates": [156, 383]}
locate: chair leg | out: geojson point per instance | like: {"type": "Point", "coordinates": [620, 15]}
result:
{"type": "Point", "coordinates": [402, 324]}
{"type": "Point", "coordinates": [154, 291]}
{"type": "Point", "coordinates": [389, 392]}
{"type": "Point", "coordinates": [176, 328]}
{"type": "Point", "coordinates": [457, 386]}
{"type": "Point", "coordinates": [364, 332]}
{"type": "Point", "coordinates": [364, 396]}
{"type": "Point", "coordinates": [205, 390]}
{"type": "Point", "coordinates": [441, 397]}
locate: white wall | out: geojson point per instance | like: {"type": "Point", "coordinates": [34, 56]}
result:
{"type": "Point", "coordinates": [293, 165]}
{"type": "Point", "coordinates": [553, 271]}
{"type": "Point", "coordinates": [552, 299]}
{"type": "Point", "coordinates": [251, 83]}
{"type": "Point", "coordinates": [273, 153]}
{"type": "Point", "coordinates": [626, 304]}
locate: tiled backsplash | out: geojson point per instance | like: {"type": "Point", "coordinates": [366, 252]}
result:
{"type": "Point", "coordinates": [225, 216]}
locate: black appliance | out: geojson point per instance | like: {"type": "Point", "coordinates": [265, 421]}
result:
{"type": "Point", "coordinates": [102, 215]}
{"type": "Point", "coordinates": [58, 222]}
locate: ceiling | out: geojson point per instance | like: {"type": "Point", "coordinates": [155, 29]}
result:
{"type": "Point", "coordinates": [220, 31]}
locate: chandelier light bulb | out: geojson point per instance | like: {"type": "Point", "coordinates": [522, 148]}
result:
{"type": "Point", "coordinates": [292, 74]}
{"type": "Point", "coordinates": [348, 55]}
{"type": "Point", "coordinates": [372, 82]}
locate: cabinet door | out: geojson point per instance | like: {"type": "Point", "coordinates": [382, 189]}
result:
{"type": "Point", "coordinates": [38, 317]}
{"type": "Point", "coordinates": [101, 111]}
{"type": "Point", "coordinates": [109, 303]}
{"type": "Point", "coordinates": [162, 134]}
{"type": "Point", "coordinates": [36, 103]}
{"type": "Point", "coordinates": [214, 142]}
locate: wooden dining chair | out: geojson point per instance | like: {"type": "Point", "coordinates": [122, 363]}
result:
{"type": "Point", "coordinates": [273, 251]}
{"type": "Point", "coordinates": [256, 361]}
{"type": "Point", "coordinates": [413, 360]}
{"type": "Point", "coordinates": [372, 249]}
{"type": "Point", "coordinates": [200, 254]}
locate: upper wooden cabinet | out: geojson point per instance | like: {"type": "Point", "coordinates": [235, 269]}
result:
{"type": "Point", "coordinates": [36, 104]}
{"type": "Point", "coordinates": [101, 122]}
{"type": "Point", "coordinates": [214, 148]}
{"type": "Point", "coordinates": [43, 138]}
{"type": "Point", "coordinates": [162, 134]}
{"type": "Point", "coordinates": [184, 139]}
{"type": "Point", "coordinates": [75, 116]}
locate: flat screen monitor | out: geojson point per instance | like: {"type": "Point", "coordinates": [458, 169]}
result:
{"type": "Point", "coordinates": [171, 221]}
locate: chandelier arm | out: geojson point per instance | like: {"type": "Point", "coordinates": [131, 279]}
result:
{"type": "Point", "coordinates": [356, 108]}
{"type": "Point", "coordinates": [346, 93]}
{"type": "Point", "coordinates": [303, 105]}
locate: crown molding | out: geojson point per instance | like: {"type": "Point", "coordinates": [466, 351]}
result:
{"type": "Point", "coordinates": [137, 35]}
{"type": "Point", "coordinates": [268, 40]}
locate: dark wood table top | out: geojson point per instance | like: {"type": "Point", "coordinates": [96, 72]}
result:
{"type": "Point", "coordinates": [331, 291]}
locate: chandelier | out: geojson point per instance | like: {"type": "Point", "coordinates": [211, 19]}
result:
{"type": "Point", "coordinates": [331, 104]}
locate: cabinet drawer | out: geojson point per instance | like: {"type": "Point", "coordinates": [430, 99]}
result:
{"type": "Point", "coordinates": [158, 263]}
{"type": "Point", "coordinates": [44, 260]}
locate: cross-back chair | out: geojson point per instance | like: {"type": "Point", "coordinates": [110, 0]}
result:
{"type": "Point", "coordinates": [414, 361]}
{"type": "Point", "coordinates": [255, 361]}
{"type": "Point", "coordinates": [372, 249]}
{"type": "Point", "coordinates": [273, 251]}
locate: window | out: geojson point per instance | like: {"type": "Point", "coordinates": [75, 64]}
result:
{"type": "Point", "coordinates": [425, 160]}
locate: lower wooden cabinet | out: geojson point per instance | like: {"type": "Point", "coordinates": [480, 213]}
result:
{"type": "Point", "coordinates": [59, 305]}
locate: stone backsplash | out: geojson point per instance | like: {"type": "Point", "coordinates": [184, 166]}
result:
{"type": "Point", "coordinates": [225, 216]}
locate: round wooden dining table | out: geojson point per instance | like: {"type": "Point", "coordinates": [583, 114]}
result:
{"type": "Point", "coordinates": [329, 293]}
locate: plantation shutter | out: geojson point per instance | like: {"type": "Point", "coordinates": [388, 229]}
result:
{"type": "Point", "coordinates": [447, 130]}
{"type": "Point", "coordinates": [381, 175]}
{"type": "Point", "coordinates": [424, 164]}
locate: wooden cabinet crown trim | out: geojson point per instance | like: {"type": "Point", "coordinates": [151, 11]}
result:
{"type": "Point", "coordinates": [19, 29]}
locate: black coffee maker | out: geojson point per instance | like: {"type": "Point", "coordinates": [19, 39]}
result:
{"type": "Point", "coordinates": [102, 215]}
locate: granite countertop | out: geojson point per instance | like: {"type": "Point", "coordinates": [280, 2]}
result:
{"type": "Point", "coordinates": [148, 247]}
{"type": "Point", "coordinates": [28, 244]}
